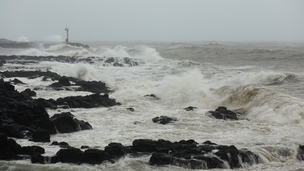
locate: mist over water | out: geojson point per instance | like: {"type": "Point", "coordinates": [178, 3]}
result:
{"type": "Point", "coordinates": [262, 80]}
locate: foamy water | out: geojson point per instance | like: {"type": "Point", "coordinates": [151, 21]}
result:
{"type": "Point", "coordinates": [264, 81]}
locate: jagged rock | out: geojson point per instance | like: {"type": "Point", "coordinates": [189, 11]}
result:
{"type": "Point", "coordinates": [190, 108]}
{"type": "Point", "coordinates": [222, 113]}
{"type": "Point", "coordinates": [190, 154]}
{"type": "Point", "coordinates": [29, 92]}
{"type": "Point", "coordinates": [66, 123]}
{"type": "Point", "coordinates": [163, 120]}
{"type": "Point", "coordinates": [89, 101]}
{"type": "Point", "coordinates": [16, 81]}
{"type": "Point", "coordinates": [21, 117]}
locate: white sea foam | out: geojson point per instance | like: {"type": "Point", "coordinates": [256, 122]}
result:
{"type": "Point", "coordinates": [273, 127]}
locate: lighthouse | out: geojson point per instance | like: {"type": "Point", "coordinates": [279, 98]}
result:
{"type": "Point", "coordinates": [67, 38]}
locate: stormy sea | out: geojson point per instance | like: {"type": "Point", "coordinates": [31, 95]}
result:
{"type": "Point", "coordinates": [152, 106]}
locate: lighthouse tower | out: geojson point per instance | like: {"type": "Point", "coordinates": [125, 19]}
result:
{"type": "Point", "coordinates": [67, 38]}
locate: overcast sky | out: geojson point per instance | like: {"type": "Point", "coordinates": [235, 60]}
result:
{"type": "Point", "coordinates": [153, 20]}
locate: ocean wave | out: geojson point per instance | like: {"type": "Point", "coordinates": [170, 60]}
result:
{"type": "Point", "coordinates": [265, 78]}
{"type": "Point", "coordinates": [263, 103]}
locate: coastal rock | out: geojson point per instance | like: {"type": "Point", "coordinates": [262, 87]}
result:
{"type": "Point", "coordinates": [29, 92]}
{"type": "Point", "coordinates": [190, 154]}
{"type": "Point", "coordinates": [89, 101]}
{"type": "Point", "coordinates": [94, 156]}
{"type": "Point", "coordinates": [190, 108]}
{"type": "Point", "coordinates": [22, 117]}
{"type": "Point", "coordinates": [67, 123]}
{"type": "Point", "coordinates": [152, 96]}
{"type": "Point", "coordinates": [222, 113]}
{"type": "Point", "coordinates": [163, 120]}
{"type": "Point", "coordinates": [63, 81]}
{"type": "Point", "coordinates": [8, 148]}
{"type": "Point", "coordinates": [70, 155]}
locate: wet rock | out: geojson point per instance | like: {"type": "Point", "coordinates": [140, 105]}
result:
{"type": "Point", "coordinates": [63, 81]}
{"type": "Point", "coordinates": [22, 117]}
{"type": "Point", "coordinates": [222, 113]}
{"type": "Point", "coordinates": [70, 155]}
{"type": "Point", "coordinates": [89, 101]}
{"type": "Point", "coordinates": [92, 86]}
{"type": "Point", "coordinates": [29, 92]}
{"type": "Point", "coordinates": [300, 154]}
{"type": "Point", "coordinates": [160, 159]}
{"type": "Point", "coordinates": [16, 81]}
{"type": "Point", "coordinates": [94, 156]}
{"type": "Point", "coordinates": [66, 123]}
{"type": "Point", "coordinates": [190, 154]}
{"type": "Point", "coordinates": [131, 109]}
{"type": "Point", "coordinates": [30, 74]}
{"type": "Point", "coordinates": [163, 120]}
{"type": "Point", "coordinates": [8, 148]}
{"type": "Point", "coordinates": [116, 150]}
{"type": "Point", "coordinates": [152, 96]}
{"type": "Point", "coordinates": [2, 62]}
{"type": "Point", "coordinates": [37, 158]}
{"type": "Point", "coordinates": [190, 108]}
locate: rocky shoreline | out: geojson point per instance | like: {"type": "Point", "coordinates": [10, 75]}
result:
{"type": "Point", "coordinates": [27, 118]}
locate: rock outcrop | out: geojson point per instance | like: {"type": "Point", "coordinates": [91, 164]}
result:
{"type": "Point", "coordinates": [223, 113]}
{"type": "Point", "coordinates": [164, 120]}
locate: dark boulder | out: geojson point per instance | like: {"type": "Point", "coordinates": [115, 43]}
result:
{"type": "Point", "coordinates": [163, 120]}
{"type": "Point", "coordinates": [160, 159]}
{"type": "Point", "coordinates": [131, 109]}
{"type": "Point", "coordinates": [8, 148]}
{"type": "Point", "coordinates": [70, 155]}
{"type": "Point", "coordinates": [37, 158]}
{"type": "Point", "coordinates": [190, 154]}
{"type": "Point", "coordinates": [2, 62]}
{"type": "Point", "coordinates": [222, 113]}
{"type": "Point", "coordinates": [22, 117]}
{"type": "Point", "coordinates": [152, 96]}
{"type": "Point", "coordinates": [300, 154]}
{"type": "Point", "coordinates": [89, 101]}
{"type": "Point", "coordinates": [92, 86]}
{"type": "Point", "coordinates": [63, 81]}
{"type": "Point", "coordinates": [94, 156]}
{"type": "Point", "coordinates": [16, 81]}
{"type": "Point", "coordinates": [29, 92]}
{"type": "Point", "coordinates": [115, 150]}
{"type": "Point", "coordinates": [66, 123]}
{"type": "Point", "coordinates": [190, 108]}
{"type": "Point", "coordinates": [29, 150]}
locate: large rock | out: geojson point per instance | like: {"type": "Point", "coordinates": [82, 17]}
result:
{"type": "Point", "coordinates": [223, 113]}
{"type": "Point", "coordinates": [70, 155]}
{"type": "Point", "coordinates": [8, 148]}
{"type": "Point", "coordinates": [66, 123]}
{"type": "Point", "coordinates": [163, 120]}
{"type": "Point", "coordinates": [190, 154]}
{"type": "Point", "coordinates": [22, 117]}
{"type": "Point", "coordinates": [89, 101]}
